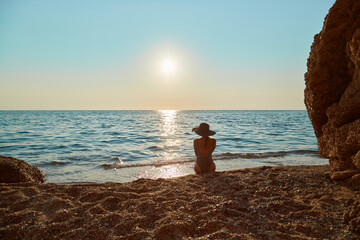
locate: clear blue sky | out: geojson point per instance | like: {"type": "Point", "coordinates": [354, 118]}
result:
{"type": "Point", "coordinates": [109, 54]}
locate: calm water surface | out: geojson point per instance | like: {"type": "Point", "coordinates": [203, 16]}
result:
{"type": "Point", "coordinates": [100, 146]}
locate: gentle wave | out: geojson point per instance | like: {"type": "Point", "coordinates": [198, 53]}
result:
{"type": "Point", "coordinates": [217, 157]}
{"type": "Point", "coordinates": [278, 154]}
{"type": "Point", "coordinates": [154, 164]}
{"type": "Point", "coordinates": [52, 163]}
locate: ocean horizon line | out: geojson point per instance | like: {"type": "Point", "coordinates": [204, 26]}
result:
{"type": "Point", "coordinates": [105, 110]}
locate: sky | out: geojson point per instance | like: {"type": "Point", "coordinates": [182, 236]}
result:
{"type": "Point", "coordinates": [149, 55]}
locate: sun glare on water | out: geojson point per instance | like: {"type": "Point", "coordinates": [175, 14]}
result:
{"type": "Point", "coordinates": [168, 66]}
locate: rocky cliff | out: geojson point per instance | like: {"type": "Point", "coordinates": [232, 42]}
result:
{"type": "Point", "coordinates": [332, 93]}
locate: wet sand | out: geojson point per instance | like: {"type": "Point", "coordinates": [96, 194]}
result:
{"type": "Point", "coordinates": [299, 202]}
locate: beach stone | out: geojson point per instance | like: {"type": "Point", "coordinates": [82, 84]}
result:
{"type": "Point", "coordinates": [13, 170]}
{"type": "Point", "coordinates": [332, 93]}
{"type": "Point", "coordinates": [356, 160]}
{"type": "Point", "coordinates": [341, 175]}
{"type": "Point", "coordinates": [353, 182]}
{"type": "Point", "coordinates": [352, 215]}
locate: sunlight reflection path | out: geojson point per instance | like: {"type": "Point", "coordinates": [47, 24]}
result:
{"type": "Point", "coordinates": [169, 127]}
{"type": "Point", "coordinates": [171, 144]}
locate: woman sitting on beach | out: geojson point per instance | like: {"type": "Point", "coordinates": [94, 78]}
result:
{"type": "Point", "coordinates": [204, 147]}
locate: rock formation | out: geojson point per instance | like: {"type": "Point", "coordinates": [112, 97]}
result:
{"type": "Point", "coordinates": [13, 170]}
{"type": "Point", "coordinates": [332, 93]}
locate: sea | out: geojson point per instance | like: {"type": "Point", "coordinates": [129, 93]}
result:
{"type": "Point", "coordinates": [122, 146]}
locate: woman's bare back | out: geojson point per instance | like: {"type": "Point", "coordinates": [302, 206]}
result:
{"type": "Point", "coordinates": [206, 146]}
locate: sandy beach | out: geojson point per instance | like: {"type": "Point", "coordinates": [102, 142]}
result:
{"type": "Point", "coordinates": [299, 202]}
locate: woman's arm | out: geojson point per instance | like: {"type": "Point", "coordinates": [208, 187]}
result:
{"type": "Point", "coordinates": [214, 145]}
{"type": "Point", "coordinates": [195, 143]}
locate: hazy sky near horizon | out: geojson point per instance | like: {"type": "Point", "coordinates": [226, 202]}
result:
{"type": "Point", "coordinates": [114, 55]}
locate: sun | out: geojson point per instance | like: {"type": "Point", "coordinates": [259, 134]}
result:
{"type": "Point", "coordinates": [168, 66]}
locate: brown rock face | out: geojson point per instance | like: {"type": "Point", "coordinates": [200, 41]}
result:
{"type": "Point", "coordinates": [332, 93]}
{"type": "Point", "coordinates": [13, 170]}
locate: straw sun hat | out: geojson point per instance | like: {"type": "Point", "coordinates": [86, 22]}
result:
{"type": "Point", "coordinates": [203, 130]}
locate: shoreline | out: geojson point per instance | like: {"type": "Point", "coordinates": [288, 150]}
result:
{"type": "Point", "coordinates": [285, 202]}
{"type": "Point", "coordinates": [155, 170]}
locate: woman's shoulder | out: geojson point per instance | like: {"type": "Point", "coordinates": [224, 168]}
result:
{"type": "Point", "coordinates": [213, 141]}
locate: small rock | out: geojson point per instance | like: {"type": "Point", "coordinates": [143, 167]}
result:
{"type": "Point", "coordinates": [13, 170]}
{"type": "Point", "coordinates": [341, 175]}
